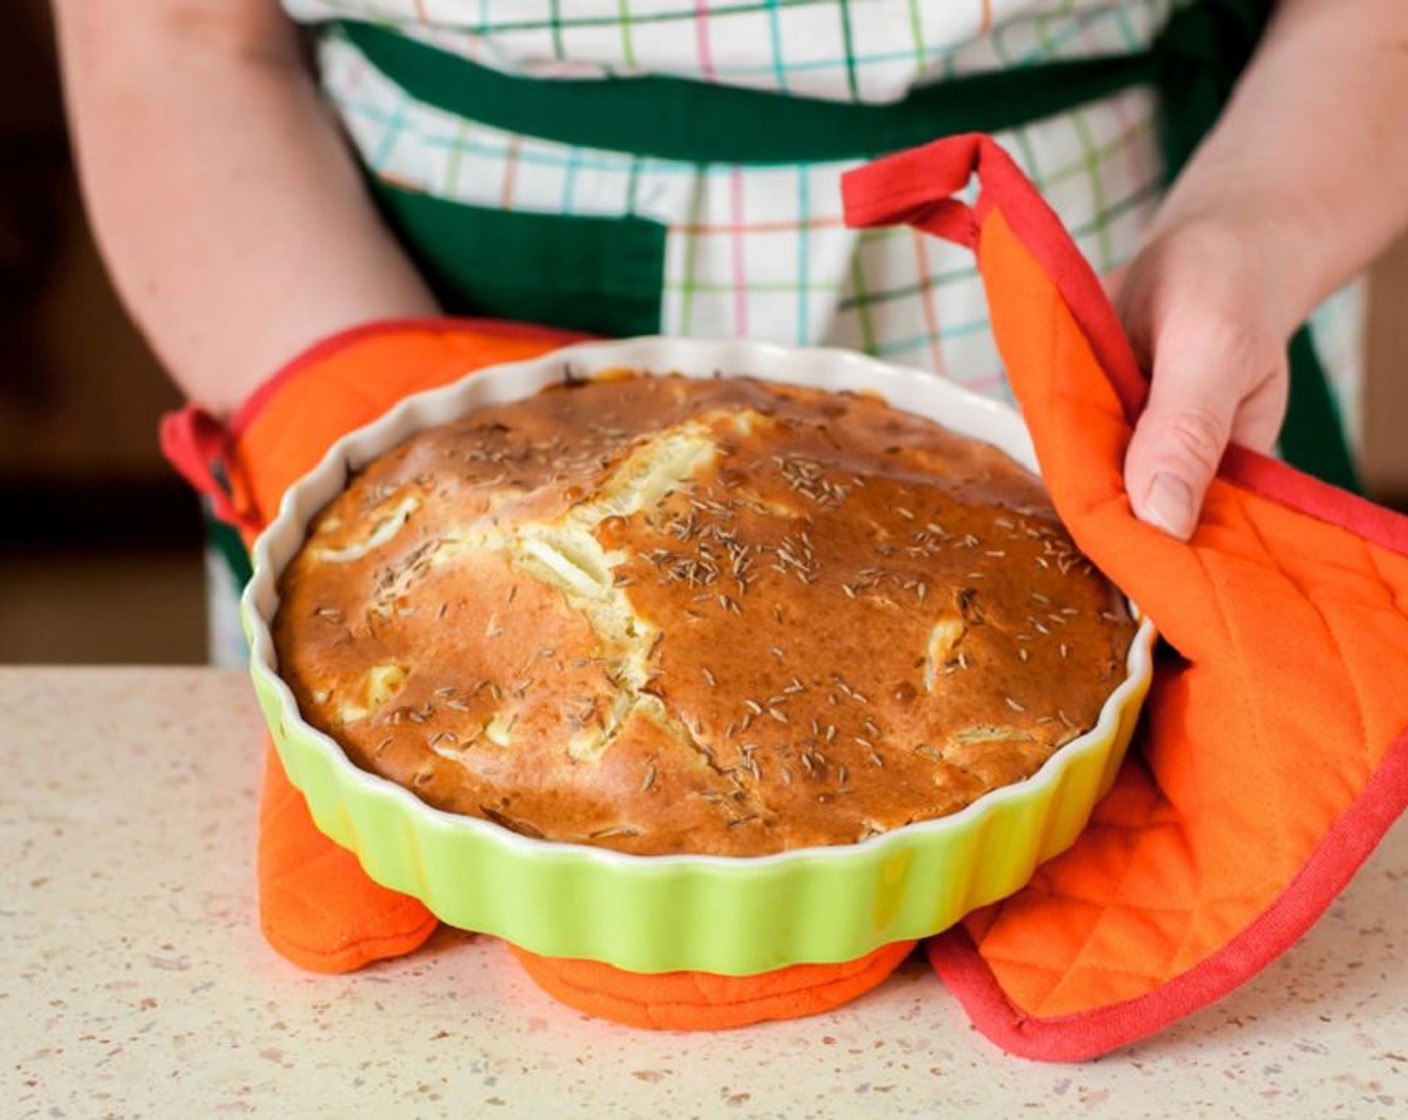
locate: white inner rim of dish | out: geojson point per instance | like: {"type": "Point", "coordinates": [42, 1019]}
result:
{"type": "Point", "coordinates": [917, 391]}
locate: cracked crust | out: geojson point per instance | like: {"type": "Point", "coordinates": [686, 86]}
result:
{"type": "Point", "coordinates": [667, 615]}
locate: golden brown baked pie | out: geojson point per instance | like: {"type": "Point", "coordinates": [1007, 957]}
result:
{"type": "Point", "coordinates": [661, 615]}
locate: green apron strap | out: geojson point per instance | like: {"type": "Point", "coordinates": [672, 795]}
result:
{"type": "Point", "coordinates": [1312, 438]}
{"type": "Point", "coordinates": [226, 542]}
{"type": "Point", "coordinates": [1202, 52]}
{"type": "Point", "coordinates": [699, 122]}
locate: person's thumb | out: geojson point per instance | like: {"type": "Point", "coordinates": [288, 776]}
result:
{"type": "Point", "coordinates": [1209, 387]}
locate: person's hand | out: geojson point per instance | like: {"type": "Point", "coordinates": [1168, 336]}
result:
{"type": "Point", "coordinates": [1205, 307]}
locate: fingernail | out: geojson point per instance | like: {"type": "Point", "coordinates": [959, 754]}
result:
{"type": "Point", "coordinates": [1169, 505]}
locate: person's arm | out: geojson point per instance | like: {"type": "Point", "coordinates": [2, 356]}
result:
{"type": "Point", "coordinates": [1301, 184]}
{"type": "Point", "coordinates": [226, 202]}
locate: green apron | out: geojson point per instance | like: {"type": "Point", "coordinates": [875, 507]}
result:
{"type": "Point", "coordinates": [605, 275]}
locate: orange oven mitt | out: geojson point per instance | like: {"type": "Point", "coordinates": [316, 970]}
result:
{"type": "Point", "coordinates": [1274, 752]}
{"type": "Point", "coordinates": [316, 905]}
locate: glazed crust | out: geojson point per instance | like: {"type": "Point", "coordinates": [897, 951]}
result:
{"type": "Point", "coordinates": [722, 616]}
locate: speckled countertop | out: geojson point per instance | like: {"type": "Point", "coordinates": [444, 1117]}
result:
{"type": "Point", "coordinates": [134, 983]}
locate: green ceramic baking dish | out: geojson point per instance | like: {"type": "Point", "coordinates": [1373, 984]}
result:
{"type": "Point", "coordinates": [728, 915]}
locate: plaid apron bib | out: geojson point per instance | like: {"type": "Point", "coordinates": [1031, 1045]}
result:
{"type": "Point", "coordinates": [711, 246]}
{"type": "Point", "coordinates": [491, 139]}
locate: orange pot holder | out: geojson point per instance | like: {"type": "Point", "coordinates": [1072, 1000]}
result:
{"type": "Point", "coordinates": [1273, 754]}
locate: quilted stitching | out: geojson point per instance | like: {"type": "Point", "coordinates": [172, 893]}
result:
{"type": "Point", "coordinates": [1290, 696]}
{"type": "Point", "coordinates": [696, 1000]}
{"type": "Point", "coordinates": [1273, 754]}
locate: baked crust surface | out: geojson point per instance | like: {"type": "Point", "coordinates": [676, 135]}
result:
{"type": "Point", "coordinates": [663, 615]}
